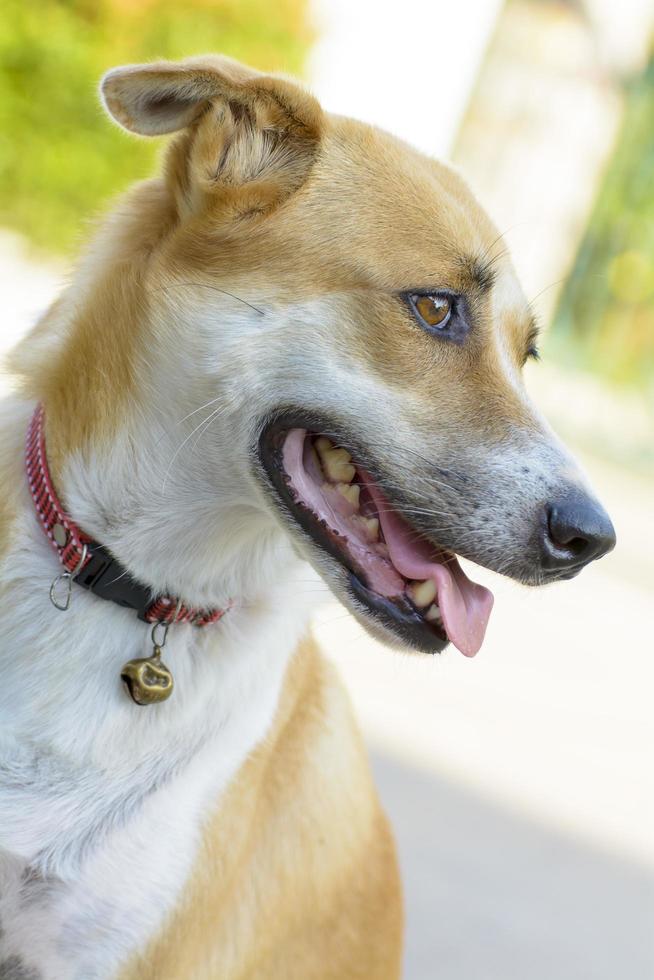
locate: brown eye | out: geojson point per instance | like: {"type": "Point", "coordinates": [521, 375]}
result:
{"type": "Point", "coordinates": [435, 311]}
{"type": "Point", "coordinates": [442, 314]}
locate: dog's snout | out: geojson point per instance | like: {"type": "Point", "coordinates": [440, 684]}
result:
{"type": "Point", "coordinates": [576, 531]}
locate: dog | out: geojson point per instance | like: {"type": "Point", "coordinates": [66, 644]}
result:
{"type": "Point", "coordinates": [294, 358]}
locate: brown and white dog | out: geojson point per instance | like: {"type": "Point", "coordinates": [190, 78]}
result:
{"type": "Point", "coordinates": [301, 344]}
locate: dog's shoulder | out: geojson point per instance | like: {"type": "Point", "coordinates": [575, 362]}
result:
{"type": "Point", "coordinates": [296, 876]}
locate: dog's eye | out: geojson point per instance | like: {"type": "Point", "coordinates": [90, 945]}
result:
{"type": "Point", "coordinates": [434, 311]}
{"type": "Point", "coordinates": [441, 314]}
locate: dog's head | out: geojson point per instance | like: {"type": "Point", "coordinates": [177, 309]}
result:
{"type": "Point", "coordinates": [347, 301]}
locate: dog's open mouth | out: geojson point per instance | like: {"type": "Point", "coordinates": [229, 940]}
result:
{"type": "Point", "coordinates": [412, 587]}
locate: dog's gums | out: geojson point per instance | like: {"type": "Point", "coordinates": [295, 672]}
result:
{"type": "Point", "coordinates": [393, 571]}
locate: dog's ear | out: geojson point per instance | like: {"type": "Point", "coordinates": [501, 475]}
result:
{"type": "Point", "coordinates": [243, 128]}
{"type": "Point", "coordinates": [164, 96]}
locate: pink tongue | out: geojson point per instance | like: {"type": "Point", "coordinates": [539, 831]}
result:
{"type": "Point", "coordinates": [464, 605]}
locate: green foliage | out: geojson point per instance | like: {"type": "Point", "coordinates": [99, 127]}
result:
{"type": "Point", "coordinates": [60, 157]}
{"type": "Point", "coordinates": [606, 312]}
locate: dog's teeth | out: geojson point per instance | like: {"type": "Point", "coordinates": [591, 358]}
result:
{"type": "Point", "coordinates": [433, 614]}
{"type": "Point", "coordinates": [336, 462]}
{"type": "Point", "coordinates": [422, 593]}
{"type": "Point", "coordinates": [371, 525]}
{"type": "Point", "coordinates": [351, 493]}
{"type": "Point", "coordinates": [322, 443]}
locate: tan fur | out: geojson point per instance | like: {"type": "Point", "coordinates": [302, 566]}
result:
{"type": "Point", "coordinates": [296, 878]}
{"type": "Point", "coordinates": [82, 360]}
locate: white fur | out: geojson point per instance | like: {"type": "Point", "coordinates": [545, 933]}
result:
{"type": "Point", "coordinates": [102, 802]}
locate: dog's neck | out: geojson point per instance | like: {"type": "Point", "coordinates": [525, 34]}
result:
{"type": "Point", "coordinates": [148, 416]}
{"type": "Point", "coordinates": [91, 781]}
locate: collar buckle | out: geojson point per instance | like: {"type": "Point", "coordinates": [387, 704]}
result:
{"type": "Point", "coordinates": [107, 578]}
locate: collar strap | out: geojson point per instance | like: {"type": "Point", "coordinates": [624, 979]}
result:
{"type": "Point", "coordinates": [91, 564]}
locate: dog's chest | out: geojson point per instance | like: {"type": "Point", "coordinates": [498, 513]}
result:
{"type": "Point", "coordinates": [96, 855]}
{"type": "Point", "coordinates": [82, 928]}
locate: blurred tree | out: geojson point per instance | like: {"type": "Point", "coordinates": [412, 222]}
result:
{"type": "Point", "coordinates": [606, 311]}
{"type": "Point", "coordinates": [60, 158]}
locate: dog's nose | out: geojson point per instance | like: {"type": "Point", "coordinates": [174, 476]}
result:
{"type": "Point", "coordinates": [576, 531]}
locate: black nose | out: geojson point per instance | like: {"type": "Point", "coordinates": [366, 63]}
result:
{"type": "Point", "coordinates": [577, 530]}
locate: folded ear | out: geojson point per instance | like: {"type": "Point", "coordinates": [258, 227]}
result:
{"type": "Point", "coordinates": [243, 126]}
{"type": "Point", "coordinates": [163, 97]}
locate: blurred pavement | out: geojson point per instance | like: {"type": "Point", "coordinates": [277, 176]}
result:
{"type": "Point", "coordinates": [492, 895]}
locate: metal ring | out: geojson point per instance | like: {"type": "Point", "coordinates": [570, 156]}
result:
{"type": "Point", "coordinates": [153, 633]}
{"type": "Point", "coordinates": [62, 605]}
{"type": "Point", "coordinates": [68, 578]}
{"type": "Point", "coordinates": [165, 626]}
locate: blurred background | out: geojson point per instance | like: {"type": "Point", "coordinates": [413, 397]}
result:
{"type": "Point", "coordinates": [520, 784]}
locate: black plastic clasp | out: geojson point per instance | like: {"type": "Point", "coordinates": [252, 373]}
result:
{"type": "Point", "coordinates": [104, 576]}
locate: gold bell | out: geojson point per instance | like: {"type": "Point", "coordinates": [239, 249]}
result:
{"type": "Point", "coordinates": [147, 679]}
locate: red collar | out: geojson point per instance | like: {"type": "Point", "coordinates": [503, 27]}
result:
{"type": "Point", "coordinates": [90, 564]}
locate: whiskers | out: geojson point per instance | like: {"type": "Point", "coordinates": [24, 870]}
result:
{"type": "Point", "coordinates": [217, 289]}
{"type": "Point", "coordinates": [200, 429]}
